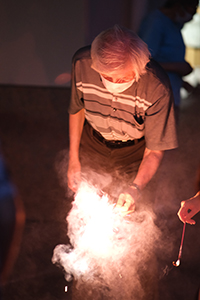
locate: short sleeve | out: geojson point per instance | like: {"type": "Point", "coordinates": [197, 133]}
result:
{"type": "Point", "coordinates": [160, 127]}
{"type": "Point", "coordinates": [76, 99]}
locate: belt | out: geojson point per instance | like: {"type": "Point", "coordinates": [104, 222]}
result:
{"type": "Point", "coordinates": [115, 144]}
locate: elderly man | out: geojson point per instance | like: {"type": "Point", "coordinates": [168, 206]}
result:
{"type": "Point", "coordinates": [121, 114]}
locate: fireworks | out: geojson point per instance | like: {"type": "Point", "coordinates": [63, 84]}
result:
{"type": "Point", "coordinates": [105, 247]}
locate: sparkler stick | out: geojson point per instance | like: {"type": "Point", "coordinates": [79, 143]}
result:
{"type": "Point", "coordinates": [177, 263]}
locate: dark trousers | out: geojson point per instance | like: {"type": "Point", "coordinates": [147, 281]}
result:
{"type": "Point", "coordinates": [110, 168]}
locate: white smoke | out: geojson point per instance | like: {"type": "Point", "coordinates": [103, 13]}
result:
{"type": "Point", "coordinates": [110, 256]}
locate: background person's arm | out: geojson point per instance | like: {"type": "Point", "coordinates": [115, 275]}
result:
{"type": "Point", "coordinates": [182, 68]}
{"type": "Point", "coordinates": [189, 208]}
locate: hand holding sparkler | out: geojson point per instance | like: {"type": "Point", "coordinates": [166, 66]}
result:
{"type": "Point", "coordinates": [189, 208]}
{"type": "Point", "coordinates": [126, 200]}
{"type": "Point", "coordinates": [73, 174]}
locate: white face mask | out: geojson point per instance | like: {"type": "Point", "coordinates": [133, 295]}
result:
{"type": "Point", "coordinates": [115, 88]}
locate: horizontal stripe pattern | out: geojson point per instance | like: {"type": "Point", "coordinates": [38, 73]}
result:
{"type": "Point", "coordinates": [113, 115]}
{"type": "Point", "coordinates": [91, 89]}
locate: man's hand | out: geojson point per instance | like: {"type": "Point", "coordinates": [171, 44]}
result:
{"type": "Point", "coordinates": [126, 200]}
{"type": "Point", "coordinates": [189, 208]}
{"type": "Point", "coordinates": [74, 175]}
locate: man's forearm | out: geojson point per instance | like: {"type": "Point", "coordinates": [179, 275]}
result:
{"type": "Point", "coordinates": [148, 167]}
{"type": "Point", "coordinates": [76, 122]}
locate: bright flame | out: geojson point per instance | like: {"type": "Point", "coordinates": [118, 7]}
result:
{"type": "Point", "coordinates": [177, 263]}
{"type": "Point", "coordinates": [101, 230]}
{"type": "Point", "coordinates": [106, 247]}
{"type": "Point", "coordinates": [99, 222]}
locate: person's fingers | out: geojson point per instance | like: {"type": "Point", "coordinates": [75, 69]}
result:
{"type": "Point", "coordinates": [185, 214]}
{"type": "Point", "coordinates": [181, 214]}
{"type": "Point", "coordinates": [74, 181]}
{"type": "Point", "coordinates": [182, 203]}
{"type": "Point", "coordinates": [72, 186]}
{"type": "Point", "coordinates": [120, 201]}
{"type": "Point", "coordinates": [125, 203]}
{"type": "Point", "coordinates": [188, 217]}
{"type": "Point", "coordinates": [129, 204]}
{"type": "Point", "coordinates": [190, 221]}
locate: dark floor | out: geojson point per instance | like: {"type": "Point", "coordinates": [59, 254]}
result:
{"type": "Point", "coordinates": [33, 131]}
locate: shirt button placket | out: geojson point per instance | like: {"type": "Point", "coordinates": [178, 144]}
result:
{"type": "Point", "coordinates": [114, 100]}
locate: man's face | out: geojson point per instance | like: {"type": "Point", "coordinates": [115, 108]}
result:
{"type": "Point", "coordinates": [121, 76]}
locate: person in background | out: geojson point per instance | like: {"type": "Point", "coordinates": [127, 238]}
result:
{"type": "Point", "coordinates": [190, 207]}
{"type": "Point", "coordinates": [121, 114]}
{"type": "Point", "coordinates": [161, 30]}
{"type": "Point", "coordinates": [12, 219]}
{"type": "Point", "coordinates": [7, 215]}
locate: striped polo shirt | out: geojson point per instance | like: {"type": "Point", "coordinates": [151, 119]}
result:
{"type": "Point", "coordinates": [144, 109]}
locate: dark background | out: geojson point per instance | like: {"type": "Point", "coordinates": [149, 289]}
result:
{"type": "Point", "coordinates": [38, 38]}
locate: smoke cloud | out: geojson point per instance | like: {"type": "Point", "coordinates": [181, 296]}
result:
{"type": "Point", "coordinates": [109, 256]}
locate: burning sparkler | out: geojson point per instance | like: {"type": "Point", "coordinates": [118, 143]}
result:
{"type": "Point", "coordinates": [177, 263]}
{"type": "Point", "coordinates": [106, 248]}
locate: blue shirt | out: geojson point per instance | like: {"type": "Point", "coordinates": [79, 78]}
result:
{"type": "Point", "coordinates": [7, 189]}
{"type": "Point", "coordinates": [165, 42]}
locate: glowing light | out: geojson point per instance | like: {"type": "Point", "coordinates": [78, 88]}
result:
{"type": "Point", "coordinates": [98, 230]}
{"type": "Point", "coordinates": [99, 222]}
{"type": "Point", "coordinates": [105, 247]}
{"type": "Point", "coordinates": [177, 263]}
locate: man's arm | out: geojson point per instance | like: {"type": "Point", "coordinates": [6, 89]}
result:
{"type": "Point", "coordinates": [76, 122]}
{"type": "Point", "coordinates": [148, 167]}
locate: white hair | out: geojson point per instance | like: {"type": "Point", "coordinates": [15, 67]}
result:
{"type": "Point", "coordinates": [116, 48]}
